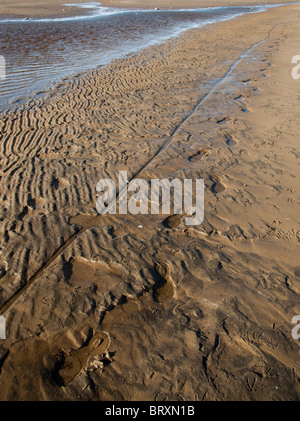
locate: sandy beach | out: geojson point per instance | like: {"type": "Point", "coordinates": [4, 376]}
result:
{"type": "Point", "coordinates": [64, 8]}
{"type": "Point", "coordinates": [178, 4]}
{"type": "Point", "coordinates": [124, 307]}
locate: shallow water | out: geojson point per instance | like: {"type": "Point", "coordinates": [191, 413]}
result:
{"type": "Point", "coordinates": [40, 52]}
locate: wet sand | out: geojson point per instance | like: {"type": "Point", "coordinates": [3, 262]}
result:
{"type": "Point", "coordinates": [188, 4]}
{"type": "Point", "coordinates": [61, 8]}
{"type": "Point", "coordinates": [127, 308]}
{"type": "Point", "coordinates": [38, 9]}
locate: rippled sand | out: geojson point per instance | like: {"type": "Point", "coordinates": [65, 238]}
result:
{"type": "Point", "coordinates": [192, 313]}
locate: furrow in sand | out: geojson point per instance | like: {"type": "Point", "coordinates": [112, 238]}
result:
{"type": "Point", "coordinates": [23, 288]}
{"type": "Point", "coordinates": [192, 112]}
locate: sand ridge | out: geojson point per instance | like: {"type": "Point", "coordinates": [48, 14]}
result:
{"type": "Point", "coordinates": [224, 330]}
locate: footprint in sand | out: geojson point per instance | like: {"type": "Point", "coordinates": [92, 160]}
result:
{"type": "Point", "coordinates": [164, 289]}
{"type": "Point", "coordinates": [230, 140]}
{"type": "Point", "coordinates": [36, 202]}
{"type": "Point", "coordinates": [217, 186]}
{"type": "Point", "coordinates": [60, 182]}
{"type": "Point", "coordinates": [245, 110]}
{"type": "Point", "coordinates": [82, 272]}
{"type": "Point", "coordinates": [223, 120]}
{"type": "Point", "coordinates": [77, 360]}
{"type": "Point", "coordinates": [199, 155]}
{"type": "Point", "coordinates": [174, 221]}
